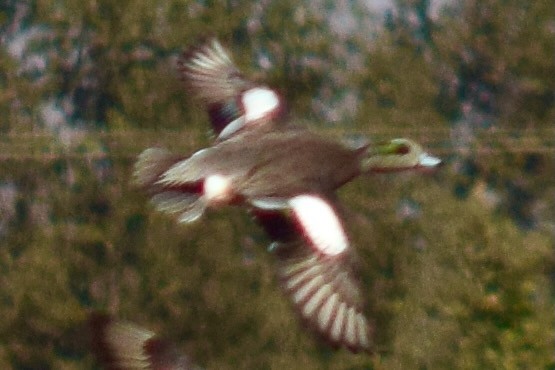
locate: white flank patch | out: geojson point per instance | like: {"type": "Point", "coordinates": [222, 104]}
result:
{"type": "Point", "coordinates": [320, 224]}
{"type": "Point", "coordinates": [217, 188]}
{"type": "Point", "coordinates": [426, 160]}
{"type": "Point", "coordinates": [258, 102]}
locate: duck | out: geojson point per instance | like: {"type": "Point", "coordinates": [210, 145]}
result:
{"type": "Point", "coordinates": [123, 345]}
{"type": "Point", "coordinates": [286, 176]}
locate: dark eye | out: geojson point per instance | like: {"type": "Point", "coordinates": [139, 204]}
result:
{"type": "Point", "coordinates": [402, 149]}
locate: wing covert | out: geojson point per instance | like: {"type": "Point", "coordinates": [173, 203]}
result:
{"type": "Point", "coordinates": [315, 268]}
{"type": "Point", "coordinates": [232, 101]}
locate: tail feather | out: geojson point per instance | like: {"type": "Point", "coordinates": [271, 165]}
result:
{"type": "Point", "coordinates": [158, 171]}
{"type": "Point", "coordinates": [190, 205]}
{"type": "Point", "coordinates": [173, 201]}
{"type": "Point", "coordinates": [152, 163]}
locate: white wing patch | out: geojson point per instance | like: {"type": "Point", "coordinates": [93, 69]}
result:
{"type": "Point", "coordinates": [258, 102]}
{"type": "Point", "coordinates": [320, 224]}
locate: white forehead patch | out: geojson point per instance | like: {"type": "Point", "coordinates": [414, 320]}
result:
{"type": "Point", "coordinates": [259, 101]}
{"type": "Point", "coordinates": [426, 160]}
{"type": "Point", "coordinates": [217, 188]}
{"type": "Point", "coordinates": [320, 224]}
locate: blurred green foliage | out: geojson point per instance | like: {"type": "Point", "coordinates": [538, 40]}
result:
{"type": "Point", "coordinates": [457, 266]}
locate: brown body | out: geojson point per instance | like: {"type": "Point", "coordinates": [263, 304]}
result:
{"type": "Point", "coordinates": [278, 163]}
{"type": "Point", "coordinates": [281, 163]}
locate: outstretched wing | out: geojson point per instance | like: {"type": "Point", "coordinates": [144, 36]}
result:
{"type": "Point", "coordinates": [233, 102]}
{"type": "Point", "coordinates": [315, 268]}
{"type": "Point", "coordinates": [121, 345]}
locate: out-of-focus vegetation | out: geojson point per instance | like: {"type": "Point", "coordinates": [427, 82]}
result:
{"type": "Point", "coordinates": [457, 266]}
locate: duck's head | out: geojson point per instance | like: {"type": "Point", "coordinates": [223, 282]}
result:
{"type": "Point", "coordinates": [398, 155]}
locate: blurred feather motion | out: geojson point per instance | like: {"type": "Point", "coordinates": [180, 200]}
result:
{"type": "Point", "coordinates": [286, 176]}
{"type": "Point", "coordinates": [121, 345]}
